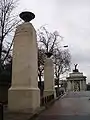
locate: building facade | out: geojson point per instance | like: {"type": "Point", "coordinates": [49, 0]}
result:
{"type": "Point", "coordinates": [76, 81]}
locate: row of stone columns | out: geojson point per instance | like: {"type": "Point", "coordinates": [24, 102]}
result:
{"type": "Point", "coordinates": [72, 83]}
{"type": "Point", "coordinates": [24, 94]}
{"type": "Point", "coordinates": [83, 85]}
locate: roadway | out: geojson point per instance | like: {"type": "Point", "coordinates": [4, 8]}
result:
{"type": "Point", "coordinates": [74, 106]}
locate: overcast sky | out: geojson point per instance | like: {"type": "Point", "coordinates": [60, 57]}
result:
{"type": "Point", "coordinates": [71, 18]}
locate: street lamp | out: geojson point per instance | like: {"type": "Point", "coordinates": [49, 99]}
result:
{"type": "Point", "coordinates": [65, 46]}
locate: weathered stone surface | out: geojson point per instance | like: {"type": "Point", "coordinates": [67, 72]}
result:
{"type": "Point", "coordinates": [76, 82]}
{"type": "Point", "coordinates": [24, 93]}
{"type": "Point", "coordinates": [49, 77]}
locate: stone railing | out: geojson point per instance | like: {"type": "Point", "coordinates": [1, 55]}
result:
{"type": "Point", "coordinates": [45, 100]}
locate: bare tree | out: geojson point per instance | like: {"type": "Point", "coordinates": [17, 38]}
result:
{"type": "Point", "coordinates": [47, 40]}
{"type": "Point", "coordinates": [7, 24]}
{"type": "Point", "coordinates": [62, 62]}
{"type": "Point", "coordinates": [41, 61]}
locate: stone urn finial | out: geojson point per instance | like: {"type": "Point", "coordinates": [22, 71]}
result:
{"type": "Point", "coordinates": [27, 16]}
{"type": "Point", "coordinates": [48, 54]}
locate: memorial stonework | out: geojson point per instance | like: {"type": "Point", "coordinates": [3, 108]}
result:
{"type": "Point", "coordinates": [49, 77]}
{"type": "Point", "coordinates": [24, 93]}
{"type": "Point", "coordinates": [76, 81]}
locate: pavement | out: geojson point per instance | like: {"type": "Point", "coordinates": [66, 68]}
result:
{"type": "Point", "coordinates": [26, 115]}
{"type": "Point", "coordinates": [73, 106]}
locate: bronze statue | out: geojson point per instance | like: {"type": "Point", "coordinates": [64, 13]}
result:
{"type": "Point", "coordinates": [75, 70]}
{"type": "Point", "coordinates": [75, 66]}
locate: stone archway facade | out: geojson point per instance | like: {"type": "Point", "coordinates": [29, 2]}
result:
{"type": "Point", "coordinates": [76, 82]}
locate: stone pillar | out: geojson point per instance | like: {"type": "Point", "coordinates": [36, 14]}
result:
{"type": "Point", "coordinates": [24, 93]}
{"type": "Point", "coordinates": [81, 87]}
{"type": "Point", "coordinates": [72, 85]}
{"type": "Point", "coordinates": [84, 85]}
{"type": "Point", "coordinates": [49, 77]}
{"type": "Point", "coordinates": [69, 85]}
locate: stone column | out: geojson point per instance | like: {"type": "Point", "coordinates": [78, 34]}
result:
{"type": "Point", "coordinates": [69, 85]}
{"type": "Point", "coordinates": [24, 93]}
{"type": "Point", "coordinates": [81, 87]}
{"type": "Point", "coordinates": [49, 77]}
{"type": "Point", "coordinates": [72, 85]}
{"type": "Point", "coordinates": [84, 85]}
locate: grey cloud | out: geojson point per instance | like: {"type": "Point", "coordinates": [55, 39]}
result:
{"type": "Point", "coordinates": [71, 18]}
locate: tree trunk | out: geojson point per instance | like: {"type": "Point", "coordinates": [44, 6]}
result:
{"type": "Point", "coordinates": [57, 87]}
{"type": "Point", "coordinates": [0, 56]}
{"type": "Point", "coordinates": [1, 45]}
{"type": "Point", "coordinates": [40, 81]}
